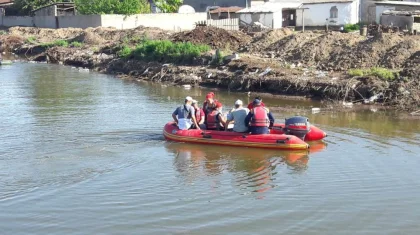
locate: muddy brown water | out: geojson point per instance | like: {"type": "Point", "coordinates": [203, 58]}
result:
{"type": "Point", "coordinates": [83, 153]}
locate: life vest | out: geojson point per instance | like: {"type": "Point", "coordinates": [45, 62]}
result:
{"type": "Point", "coordinates": [212, 120]}
{"type": "Point", "coordinates": [260, 117]}
{"type": "Point", "coordinates": [198, 116]}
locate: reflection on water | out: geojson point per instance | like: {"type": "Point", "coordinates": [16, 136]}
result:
{"type": "Point", "coordinates": [252, 168]}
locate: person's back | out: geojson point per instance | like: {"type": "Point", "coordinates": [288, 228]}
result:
{"type": "Point", "coordinates": [238, 116]}
{"type": "Point", "coordinates": [259, 119]}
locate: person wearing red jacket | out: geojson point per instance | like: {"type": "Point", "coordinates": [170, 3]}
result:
{"type": "Point", "coordinates": [251, 106]}
{"type": "Point", "coordinates": [199, 113]}
{"type": "Point", "coordinates": [215, 119]}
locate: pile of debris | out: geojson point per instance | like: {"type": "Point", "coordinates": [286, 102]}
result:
{"type": "Point", "coordinates": [214, 37]}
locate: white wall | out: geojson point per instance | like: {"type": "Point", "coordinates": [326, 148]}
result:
{"type": "Point", "coordinates": [316, 15]}
{"type": "Point", "coordinates": [9, 21]}
{"type": "Point", "coordinates": [170, 21]}
{"type": "Point", "coordinates": [380, 9]}
{"type": "Point", "coordinates": [45, 21]}
{"type": "Point", "coordinates": [264, 18]}
{"type": "Point", "coordinates": [79, 21]}
{"type": "Point", "coordinates": [167, 21]}
{"type": "Point", "coordinates": [277, 20]}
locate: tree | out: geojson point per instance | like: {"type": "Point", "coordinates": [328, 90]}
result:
{"type": "Point", "coordinates": [25, 7]}
{"type": "Point", "coordinates": [168, 6]}
{"type": "Point", "coordinates": [100, 7]}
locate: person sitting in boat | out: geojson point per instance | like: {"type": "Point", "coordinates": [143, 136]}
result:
{"type": "Point", "coordinates": [210, 103]}
{"type": "Point", "coordinates": [259, 119]}
{"type": "Point", "coordinates": [238, 116]}
{"type": "Point", "coordinates": [251, 106]}
{"type": "Point", "coordinates": [199, 114]}
{"type": "Point", "coordinates": [215, 119]}
{"type": "Point", "coordinates": [184, 114]}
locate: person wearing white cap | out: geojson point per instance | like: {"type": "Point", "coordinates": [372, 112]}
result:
{"type": "Point", "coordinates": [184, 116]}
{"type": "Point", "coordinates": [238, 116]}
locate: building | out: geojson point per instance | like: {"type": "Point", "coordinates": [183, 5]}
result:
{"type": "Point", "coordinates": [56, 9]}
{"type": "Point", "coordinates": [401, 19]}
{"type": "Point", "coordinates": [384, 6]}
{"type": "Point", "coordinates": [3, 5]}
{"type": "Point", "coordinates": [271, 14]}
{"type": "Point", "coordinates": [224, 13]}
{"type": "Point", "coordinates": [332, 12]}
{"type": "Point", "coordinates": [202, 5]}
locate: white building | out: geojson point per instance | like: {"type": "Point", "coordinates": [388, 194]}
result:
{"type": "Point", "coordinates": [335, 12]}
{"type": "Point", "coordinates": [272, 15]}
{"type": "Point", "coordinates": [315, 13]}
{"type": "Point", "coordinates": [383, 6]}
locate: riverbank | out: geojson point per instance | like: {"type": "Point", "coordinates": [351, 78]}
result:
{"type": "Point", "coordinates": [336, 67]}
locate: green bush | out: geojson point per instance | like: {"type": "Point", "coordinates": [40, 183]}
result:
{"type": "Point", "coordinates": [167, 51]}
{"type": "Point", "coordinates": [59, 43]}
{"type": "Point", "coordinates": [382, 73]}
{"type": "Point", "coordinates": [76, 44]}
{"type": "Point", "coordinates": [31, 40]}
{"type": "Point", "coordinates": [2, 32]}
{"type": "Point", "coordinates": [218, 58]}
{"type": "Point", "coordinates": [124, 51]}
{"type": "Point", "coordinates": [351, 27]}
{"type": "Point", "coordinates": [355, 72]}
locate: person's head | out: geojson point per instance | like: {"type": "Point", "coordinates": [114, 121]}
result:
{"type": "Point", "coordinates": [195, 104]}
{"type": "Point", "coordinates": [238, 104]}
{"type": "Point", "coordinates": [210, 97]}
{"type": "Point", "coordinates": [258, 98]}
{"type": "Point", "coordinates": [256, 103]}
{"type": "Point", "coordinates": [188, 100]}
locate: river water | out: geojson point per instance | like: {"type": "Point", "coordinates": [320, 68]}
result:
{"type": "Point", "coordinates": [83, 153]}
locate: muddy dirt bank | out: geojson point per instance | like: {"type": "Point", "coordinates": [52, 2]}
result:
{"type": "Point", "coordinates": [310, 64]}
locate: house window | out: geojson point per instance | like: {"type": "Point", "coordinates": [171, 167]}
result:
{"type": "Point", "coordinates": [416, 19]}
{"type": "Point", "coordinates": [334, 12]}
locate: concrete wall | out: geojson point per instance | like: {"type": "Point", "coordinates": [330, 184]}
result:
{"type": "Point", "coordinates": [79, 21]}
{"type": "Point", "coordinates": [168, 21]}
{"type": "Point", "coordinates": [45, 21]}
{"type": "Point", "coordinates": [396, 20]}
{"type": "Point", "coordinates": [317, 14]}
{"type": "Point", "coordinates": [264, 18]}
{"type": "Point", "coordinates": [9, 21]}
{"type": "Point", "coordinates": [367, 11]}
{"type": "Point", "coordinates": [201, 5]}
{"type": "Point", "coordinates": [164, 21]}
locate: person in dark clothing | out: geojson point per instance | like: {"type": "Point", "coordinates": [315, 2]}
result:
{"type": "Point", "coordinates": [259, 119]}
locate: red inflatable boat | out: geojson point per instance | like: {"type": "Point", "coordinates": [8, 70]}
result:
{"type": "Point", "coordinates": [269, 141]}
{"type": "Point", "coordinates": [290, 135]}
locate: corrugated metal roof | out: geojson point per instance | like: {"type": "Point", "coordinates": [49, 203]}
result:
{"type": "Point", "coordinates": [4, 2]}
{"type": "Point", "coordinates": [271, 7]}
{"type": "Point", "coordinates": [398, 3]}
{"type": "Point", "coordinates": [404, 13]}
{"type": "Point", "coordinates": [226, 9]}
{"type": "Point", "coordinates": [325, 1]}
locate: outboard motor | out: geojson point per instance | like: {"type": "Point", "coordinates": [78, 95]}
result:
{"type": "Point", "coordinates": [297, 126]}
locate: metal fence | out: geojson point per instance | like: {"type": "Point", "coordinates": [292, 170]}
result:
{"type": "Point", "coordinates": [227, 24]}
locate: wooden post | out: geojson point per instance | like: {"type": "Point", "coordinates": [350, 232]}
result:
{"type": "Point", "coordinates": [303, 20]}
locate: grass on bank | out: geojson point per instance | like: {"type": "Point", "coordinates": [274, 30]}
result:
{"type": "Point", "coordinates": [382, 73]}
{"type": "Point", "coordinates": [62, 43]}
{"type": "Point", "coordinates": [351, 28]}
{"type": "Point", "coordinates": [163, 51]}
{"type": "Point", "coordinates": [31, 40]}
